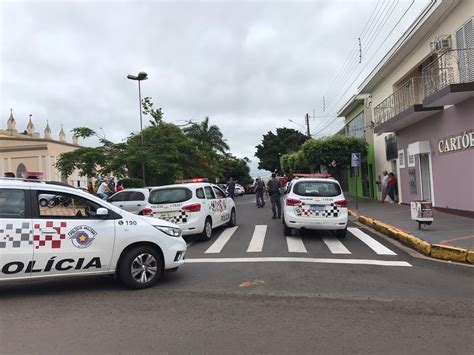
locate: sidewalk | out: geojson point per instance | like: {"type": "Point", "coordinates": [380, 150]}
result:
{"type": "Point", "coordinates": [446, 229]}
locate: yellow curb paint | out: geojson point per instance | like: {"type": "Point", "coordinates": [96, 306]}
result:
{"type": "Point", "coordinates": [446, 252]}
{"type": "Point", "coordinates": [470, 256]}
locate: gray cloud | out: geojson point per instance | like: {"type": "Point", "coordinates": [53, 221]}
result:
{"type": "Point", "coordinates": [249, 66]}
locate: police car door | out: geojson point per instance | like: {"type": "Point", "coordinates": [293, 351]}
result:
{"type": "Point", "coordinates": [222, 205]}
{"type": "Point", "coordinates": [16, 243]}
{"type": "Point", "coordinates": [212, 203]}
{"type": "Point", "coordinates": [69, 237]}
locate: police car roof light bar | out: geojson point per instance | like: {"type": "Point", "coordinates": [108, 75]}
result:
{"type": "Point", "coordinates": [188, 181]}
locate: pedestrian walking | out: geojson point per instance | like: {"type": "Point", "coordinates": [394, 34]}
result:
{"type": "Point", "coordinates": [392, 186]}
{"type": "Point", "coordinates": [384, 185]}
{"type": "Point", "coordinates": [274, 186]}
{"type": "Point", "coordinates": [259, 190]}
{"type": "Point", "coordinates": [231, 187]}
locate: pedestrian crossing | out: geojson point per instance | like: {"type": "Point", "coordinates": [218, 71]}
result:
{"type": "Point", "coordinates": [296, 244]}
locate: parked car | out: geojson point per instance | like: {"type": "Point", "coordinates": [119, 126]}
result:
{"type": "Point", "coordinates": [88, 236]}
{"type": "Point", "coordinates": [131, 200]}
{"type": "Point", "coordinates": [195, 205]}
{"type": "Point", "coordinates": [239, 190]}
{"type": "Point", "coordinates": [315, 203]}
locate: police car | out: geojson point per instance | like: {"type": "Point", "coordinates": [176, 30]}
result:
{"type": "Point", "coordinates": [314, 202]}
{"type": "Point", "coordinates": [195, 205]}
{"type": "Point", "coordinates": [86, 236]}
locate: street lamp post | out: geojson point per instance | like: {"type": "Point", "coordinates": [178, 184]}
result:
{"type": "Point", "coordinates": [141, 76]}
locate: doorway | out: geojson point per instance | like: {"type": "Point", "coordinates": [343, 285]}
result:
{"type": "Point", "coordinates": [425, 177]}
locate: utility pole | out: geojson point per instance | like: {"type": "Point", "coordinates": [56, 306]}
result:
{"type": "Point", "coordinates": [307, 125]}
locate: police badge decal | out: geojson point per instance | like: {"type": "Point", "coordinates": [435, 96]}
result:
{"type": "Point", "coordinates": [82, 236]}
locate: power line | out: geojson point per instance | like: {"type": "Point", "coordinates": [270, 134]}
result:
{"type": "Point", "coordinates": [376, 51]}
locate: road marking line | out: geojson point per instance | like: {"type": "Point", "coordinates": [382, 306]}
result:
{"type": "Point", "coordinates": [221, 241]}
{"type": "Point", "coordinates": [295, 245]}
{"type": "Point", "coordinates": [379, 248]}
{"type": "Point", "coordinates": [335, 245]}
{"type": "Point", "coordinates": [300, 260]}
{"type": "Point", "coordinates": [258, 237]}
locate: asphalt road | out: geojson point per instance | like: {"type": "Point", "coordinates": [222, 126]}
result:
{"type": "Point", "coordinates": [253, 291]}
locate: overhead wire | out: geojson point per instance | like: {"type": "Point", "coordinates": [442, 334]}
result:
{"type": "Point", "coordinates": [373, 55]}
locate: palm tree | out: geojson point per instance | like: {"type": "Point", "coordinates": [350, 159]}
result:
{"type": "Point", "coordinates": [204, 134]}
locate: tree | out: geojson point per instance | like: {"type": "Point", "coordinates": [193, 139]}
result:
{"type": "Point", "coordinates": [207, 136]}
{"type": "Point", "coordinates": [273, 146]}
{"type": "Point", "coordinates": [156, 114]}
{"type": "Point", "coordinates": [333, 152]}
{"type": "Point", "coordinates": [236, 168]}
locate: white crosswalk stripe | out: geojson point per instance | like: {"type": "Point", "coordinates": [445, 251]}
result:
{"type": "Point", "coordinates": [335, 245]}
{"type": "Point", "coordinates": [221, 241]}
{"type": "Point", "coordinates": [370, 242]}
{"type": "Point", "coordinates": [256, 244]}
{"type": "Point", "coordinates": [295, 245]}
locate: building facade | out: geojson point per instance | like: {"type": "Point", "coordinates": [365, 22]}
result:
{"type": "Point", "coordinates": [358, 123]}
{"type": "Point", "coordinates": [27, 154]}
{"type": "Point", "coordinates": [423, 108]}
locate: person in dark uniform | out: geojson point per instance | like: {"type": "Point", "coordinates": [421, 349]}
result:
{"type": "Point", "coordinates": [274, 186]}
{"type": "Point", "coordinates": [259, 189]}
{"type": "Point", "coordinates": [231, 187]}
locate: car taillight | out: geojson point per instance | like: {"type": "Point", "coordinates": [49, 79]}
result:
{"type": "Point", "coordinates": [292, 202]}
{"type": "Point", "coordinates": [341, 203]}
{"type": "Point", "coordinates": [147, 211]}
{"type": "Point", "coordinates": [192, 208]}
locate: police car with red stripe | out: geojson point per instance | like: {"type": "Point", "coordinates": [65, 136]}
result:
{"type": "Point", "coordinates": [80, 235]}
{"type": "Point", "coordinates": [314, 201]}
{"type": "Point", "coordinates": [195, 205]}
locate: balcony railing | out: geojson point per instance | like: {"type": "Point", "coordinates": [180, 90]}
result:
{"type": "Point", "coordinates": [455, 66]}
{"type": "Point", "coordinates": [409, 94]}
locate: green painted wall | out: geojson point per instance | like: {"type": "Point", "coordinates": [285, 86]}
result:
{"type": "Point", "coordinates": [372, 190]}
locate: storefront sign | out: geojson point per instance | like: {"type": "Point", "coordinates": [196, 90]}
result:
{"type": "Point", "coordinates": [401, 158]}
{"type": "Point", "coordinates": [462, 141]}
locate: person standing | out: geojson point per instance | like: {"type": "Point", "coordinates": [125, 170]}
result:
{"type": "Point", "coordinates": [231, 187]}
{"type": "Point", "coordinates": [392, 186]}
{"type": "Point", "coordinates": [384, 185]}
{"type": "Point", "coordinates": [119, 186]}
{"type": "Point", "coordinates": [259, 189]}
{"type": "Point", "coordinates": [90, 187]}
{"type": "Point", "coordinates": [274, 186]}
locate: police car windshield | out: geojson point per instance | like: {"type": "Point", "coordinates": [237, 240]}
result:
{"type": "Point", "coordinates": [317, 188]}
{"type": "Point", "coordinates": [169, 195]}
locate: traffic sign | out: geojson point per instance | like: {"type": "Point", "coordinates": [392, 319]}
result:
{"type": "Point", "coordinates": [355, 161]}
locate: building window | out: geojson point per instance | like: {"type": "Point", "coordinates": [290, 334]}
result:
{"type": "Point", "coordinates": [356, 127]}
{"type": "Point", "coordinates": [391, 147]}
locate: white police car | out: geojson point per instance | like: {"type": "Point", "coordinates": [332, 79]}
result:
{"type": "Point", "coordinates": [315, 203]}
{"type": "Point", "coordinates": [85, 236]}
{"type": "Point", "coordinates": [195, 205]}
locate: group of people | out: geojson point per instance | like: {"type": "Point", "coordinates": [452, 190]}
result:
{"type": "Point", "coordinates": [273, 188]}
{"type": "Point", "coordinates": [389, 186]}
{"type": "Point", "coordinates": [106, 188]}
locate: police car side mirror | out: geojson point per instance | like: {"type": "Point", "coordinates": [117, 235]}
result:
{"type": "Point", "coordinates": [102, 212]}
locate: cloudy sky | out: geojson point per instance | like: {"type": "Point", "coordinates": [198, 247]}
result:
{"type": "Point", "coordinates": [248, 65]}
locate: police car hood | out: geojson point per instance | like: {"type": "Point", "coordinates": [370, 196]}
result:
{"type": "Point", "coordinates": [157, 222]}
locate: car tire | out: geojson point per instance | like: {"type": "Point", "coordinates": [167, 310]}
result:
{"type": "Point", "coordinates": [43, 202]}
{"type": "Point", "coordinates": [141, 267]}
{"type": "Point", "coordinates": [286, 230]}
{"type": "Point", "coordinates": [341, 233]}
{"type": "Point", "coordinates": [233, 218]}
{"type": "Point", "coordinates": [207, 231]}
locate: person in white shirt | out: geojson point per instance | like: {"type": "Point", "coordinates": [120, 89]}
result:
{"type": "Point", "coordinates": [101, 191]}
{"type": "Point", "coordinates": [384, 185]}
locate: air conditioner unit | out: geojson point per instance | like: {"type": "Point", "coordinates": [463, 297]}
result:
{"type": "Point", "coordinates": [441, 44]}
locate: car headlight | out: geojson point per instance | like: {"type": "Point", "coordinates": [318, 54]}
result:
{"type": "Point", "coordinates": [171, 231]}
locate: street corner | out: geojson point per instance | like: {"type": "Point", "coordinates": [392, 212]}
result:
{"type": "Point", "coordinates": [450, 253]}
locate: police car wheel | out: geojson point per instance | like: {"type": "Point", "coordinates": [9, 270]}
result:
{"type": "Point", "coordinates": [233, 218]}
{"type": "Point", "coordinates": [140, 268]}
{"type": "Point", "coordinates": [341, 233]}
{"type": "Point", "coordinates": [207, 231]}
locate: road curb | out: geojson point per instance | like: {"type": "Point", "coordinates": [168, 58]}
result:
{"type": "Point", "coordinates": [437, 251]}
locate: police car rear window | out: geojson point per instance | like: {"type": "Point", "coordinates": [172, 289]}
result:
{"type": "Point", "coordinates": [316, 188]}
{"type": "Point", "coordinates": [171, 195]}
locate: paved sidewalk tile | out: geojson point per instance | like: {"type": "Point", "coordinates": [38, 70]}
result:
{"type": "Point", "coordinates": [446, 229]}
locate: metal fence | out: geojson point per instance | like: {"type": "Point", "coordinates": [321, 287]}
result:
{"type": "Point", "coordinates": [454, 66]}
{"type": "Point", "coordinates": [409, 94]}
